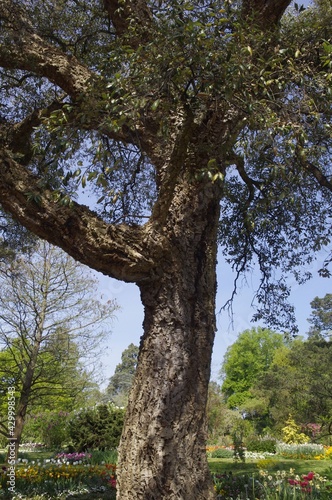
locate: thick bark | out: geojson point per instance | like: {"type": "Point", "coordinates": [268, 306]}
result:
{"type": "Point", "coordinates": [162, 452]}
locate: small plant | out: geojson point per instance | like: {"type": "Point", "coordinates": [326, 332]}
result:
{"type": "Point", "coordinates": [239, 450]}
{"type": "Point", "coordinates": [326, 455]}
{"type": "Point", "coordinates": [103, 457]}
{"type": "Point", "coordinates": [221, 453]}
{"type": "Point", "coordinates": [265, 485]}
{"type": "Point", "coordinates": [57, 480]}
{"type": "Point", "coordinates": [97, 428]}
{"type": "Point", "coordinates": [291, 433]}
{"type": "Point", "coordinates": [266, 463]}
{"type": "Point", "coordinates": [73, 457]}
{"type": "Point", "coordinates": [228, 486]}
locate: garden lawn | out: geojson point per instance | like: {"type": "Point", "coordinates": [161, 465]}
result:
{"type": "Point", "coordinates": [226, 465]}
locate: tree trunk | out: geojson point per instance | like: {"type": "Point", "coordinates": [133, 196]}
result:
{"type": "Point", "coordinates": [24, 398]}
{"type": "Point", "coordinates": [162, 450]}
{"type": "Point", "coordinates": [21, 410]}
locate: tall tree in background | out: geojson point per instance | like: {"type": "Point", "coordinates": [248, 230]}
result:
{"type": "Point", "coordinates": [321, 318]}
{"type": "Point", "coordinates": [298, 382]}
{"type": "Point", "coordinates": [249, 357]}
{"type": "Point", "coordinates": [50, 322]}
{"type": "Point", "coordinates": [196, 122]}
{"type": "Point", "coordinates": [120, 383]}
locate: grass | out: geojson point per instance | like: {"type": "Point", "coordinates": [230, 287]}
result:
{"type": "Point", "coordinates": [224, 465]}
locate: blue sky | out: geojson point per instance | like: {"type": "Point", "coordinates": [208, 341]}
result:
{"type": "Point", "coordinates": [127, 325]}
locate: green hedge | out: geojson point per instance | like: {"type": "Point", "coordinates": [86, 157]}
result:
{"type": "Point", "coordinates": [261, 445]}
{"type": "Point", "coordinates": [221, 453]}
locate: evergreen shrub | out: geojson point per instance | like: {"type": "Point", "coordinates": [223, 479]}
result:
{"type": "Point", "coordinates": [259, 445]}
{"type": "Point", "coordinates": [97, 428]}
{"type": "Point", "coordinates": [48, 427]}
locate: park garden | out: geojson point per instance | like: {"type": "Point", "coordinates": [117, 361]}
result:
{"type": "Point", "coordinates": [76, 458]}
{"type": "Point", "coordinates": [290, 473]}
{"type": "Point", "coordinates": [137, 137]}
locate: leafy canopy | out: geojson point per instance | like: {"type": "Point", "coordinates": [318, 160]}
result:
{"type": "Point", "coordinates": [105, 97]}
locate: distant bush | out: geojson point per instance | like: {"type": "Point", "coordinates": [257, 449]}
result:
{"type": "Point", "coordinates": [48, 427]}
{"type": "Point", "coordinates": [221, 453]}
{"type": "Point", "coordinates": [97, 428]}
{"type": "Point", "coordinates": [302, 451]}
{"type": "Point", "coordinates": [265, 445]}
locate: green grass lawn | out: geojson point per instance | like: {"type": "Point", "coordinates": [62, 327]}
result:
{"type": "Point", "coordinates": [223, 465]}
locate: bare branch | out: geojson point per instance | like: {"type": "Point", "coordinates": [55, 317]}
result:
{"type": "Point", "coordinates": [250, 183]}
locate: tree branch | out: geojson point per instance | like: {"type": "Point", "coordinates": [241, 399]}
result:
{"type": "Point", "coordinates": [266, 13]}
{"type": "Point", "coordinates": [17, 136]}
{"type": "Point", "coordinates": [250, 183]}
{"type": "Point", "coordinates": [23, 49]}
{"type": "Point", "coordinates": [124, 252]}
{"type": "Point", "coordinates": [319, 176]}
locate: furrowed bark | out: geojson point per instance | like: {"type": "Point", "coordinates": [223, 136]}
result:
{"type": "Point", "coordinates": [162, 451]}
{"type": "Point", "coordinates": [25, 50]}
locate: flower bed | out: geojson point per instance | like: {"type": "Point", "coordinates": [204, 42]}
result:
{"type": "Point", "coordinates": [268, 486]}
{"type": "Point", "coordinates": [299, 451]}
{"type": "Point", "coordinates": [73, 458]}
{"type": "Point", "coordinates": [55, 479]}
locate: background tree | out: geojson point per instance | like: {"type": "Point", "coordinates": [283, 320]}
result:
{"type": "Point", "coordinates": [298, 383]}
{"type": "Point", "coordinates": [321, 317]}
{"type": "Point", "coordinates": [197, 122]}
{"type": "Point", "coordinates": [249, 357]}
{"type": "Point", "coordinates": [50, 325]}
{"type": "Point", "coordinates": [220, 419]}
{"type": "Point", "coordinates": [120, 383]}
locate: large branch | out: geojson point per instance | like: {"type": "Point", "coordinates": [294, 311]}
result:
{"type": "Point", "coordinates": [22, 48]}
{"type": "Point", "coordinates": [123, 252]}
{"type": "Point", "coordinates": [266, 13]}
{"type": "Point", "coordinates": [32, 54]}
